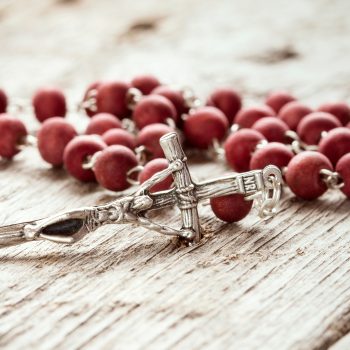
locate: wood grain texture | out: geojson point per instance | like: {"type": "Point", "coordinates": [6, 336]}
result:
{"type": "Point", "coordinates": [283, 284]}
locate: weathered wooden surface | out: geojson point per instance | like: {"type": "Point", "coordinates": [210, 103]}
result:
{"type": "Point", "coordinates": [277, 285]}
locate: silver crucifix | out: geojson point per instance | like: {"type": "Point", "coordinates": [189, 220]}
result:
{"type": "Point", "coordinates": [263, 186]}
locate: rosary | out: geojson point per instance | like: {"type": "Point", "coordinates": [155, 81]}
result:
{"type": "Point", "coordinates": [137, 134]}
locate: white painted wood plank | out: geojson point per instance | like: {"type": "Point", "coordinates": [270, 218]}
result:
{"type": "Point", "coordinates": [279, 285]}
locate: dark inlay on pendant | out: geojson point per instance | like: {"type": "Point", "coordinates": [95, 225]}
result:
{"type": "Point", "coordinates": [64, 228]}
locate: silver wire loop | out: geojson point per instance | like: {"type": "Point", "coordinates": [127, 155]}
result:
{"type": "Point", "coordinates": [91, 161]}
{"type": "Point", "coordinates": [267, 199]}
{"type": "Point", "coordinates": [215, 152]}
{"type": "Point", "coordinates": [191, 100]}
{"type": "Point", "coordinates": [141, 154]}
{"type": "Point", "coordinates": [217, 149]}
{"type": "Point", "coordinates": [234, 128]}
{"type": "Point", "coordinates": [261, 144]}
{"type": "Point", "coordinates": [129, 125]}
{"type": "Point", "coordinates": [89, 102]}
{"type": "Point", "coordinates": [27, 141]}
{"type": "Point", "coordinates": [133, 97]}
{"type": "Point", "coordinates": [332, 179]}
{"type": "Point", "coordinates": [135, 170]}
{"type": "Point", "coordinates": [170, 122]}
{"type": "Point", "coordinates": [297, 144]}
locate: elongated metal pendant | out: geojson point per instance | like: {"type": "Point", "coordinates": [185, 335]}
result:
{"type": "Point", "coordinates": [263, 186]}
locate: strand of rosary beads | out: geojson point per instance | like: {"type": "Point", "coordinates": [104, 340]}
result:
{"type": "Point", "coordinates": [121, 141]}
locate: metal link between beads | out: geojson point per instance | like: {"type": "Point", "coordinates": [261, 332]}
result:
{"type": "Point", "coordinates": [297, 144]}
{"type": "Point", "coordinates": [133, 97]}
{"type": "Point", "coordinates": [191, 100]}
{"type": "Point", "coordinates": [28, 140]}
{"type": "Point", "coordinates": [134, 170]}
{"type": "Point", "coordinates": [89, 102]}
{"type": "Point", "coordinates": [332, 179]}
{"type": "Point", "coordinates": [141, 154]}
{"type": "Point", "coordinates": [91, 161]}
{"type": "Point", "coordinates": [266, 201]}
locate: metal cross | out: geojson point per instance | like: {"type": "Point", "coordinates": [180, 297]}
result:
{"type": "Point", "coordinates": [263, 186]}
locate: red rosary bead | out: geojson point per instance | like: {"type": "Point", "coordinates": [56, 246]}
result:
{"type": "Point", "coordinates": [53, 137]}
{"type": "Point", "coordinates": [335, 144]}
{"type": "Point", "coordinates": [145, 83]}
{"type": "Point", "coordinates": [111, 98]}
{"type": "Point", "coordinates": [174, 96]}
{"type": "Point", "coordinates": [153, 109]}
{"type": "Point", "coordinates": [274, 153]}
{"type": "Point", "coordinates": [303, 174]}
{"type": "Point", "coordinates": [112, 166]}
{"type": "Point", "coordinates": [78, 152]}
{"type": "Point", "coordinates": [231, 208]}
{"type": "Point", "coordinates": [205, 125]}
{"type": "Point", "coordinates": [343, 169]}
{"type": "Point", "coordinates": [102, 122]}
{"type": "Point", "coordinates": [339, 109]}
{"type": "Point", "coordinates": [311, 127]}
{"type": "Point", "coordinates": [246, 117]}
{"type": "Point", "coordinates": [227, 100]}
{"type": "Point", "coordinates": [153, 167]}
{"type": "Point", "coordinates": [276, 100]}
{"type": "Point", "coordinates": [3, 101]}
{"type": "Point", "coordinates": [119, 137]}
{"type": "Point", "coordinates": [93, 86]}
{"type": "Point", "coordinates": [239, 148]}
{"type": "Point", "coordinates": [274, 129]}
{"type": "Point", "coordinates": [49, 102]}
{"type": "Point", "coordinates": [12, 132]}
{"type": "Point", "coordinates": [292, 113]}
{"type": "Point", "coordinates": [149, 138]}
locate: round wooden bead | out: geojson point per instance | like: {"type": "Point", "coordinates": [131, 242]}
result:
{"type": "Point", "coordinates": [231, 208]}
{"type": "Point", "coordinates": [53, 137]}
{"type": "Point", "coordinates": [145, 83]}
{"type": "Point", "coordinates": [205, 125]}
{"type": "Point", "coordinates": [340, 110]}
{"type": "Point", "coordinates": [311, 126]}
{"type": "Point", "coordinates": [274, 153]}
{"type": "Point", "coordinates": [153, 109]}
{"type": "Point", "coordinates": [239, 147]}
{"type": "Point", "coordinates": [3, 101]}
{"type": "Point", "coordinates": [78, 151]}
{"type": "Point", "coordinates": [49, 102]}
{"type": "Point", "coordinates": [343, 169]}
{"type": "Point", "coordinates": [293, 112]}
{"type": "Point", "coordinates": [277, 99]}
{"type": "Point", "coordinates": [12, 131]}
{"type": "Point", "coordinates": [303, 174]}
{"type": "Point", "coordinates": [93, 86]}
{"type": "Point", "coordinates": [102, 122]}
{"type": "Point", "coordinates": [119, 137]}
{"type": "Point", "coordinates": [149, 137]}
{"type": "Point", "coordinates": [335, 144]}
{"type": "Point", "coordinates": [174, 96]}
{"type": "Point", "coordinates": [111, 98]}
{"type": "Point", "coordinates": [112, 166]}
{"type": "Point", "coordinates": [274, 129]}
{"type": "Point", "coordinates": [153, 167]}
{"type": "Point", "coordinates": [227, 100]}
{"type": "Point", "coordinates": [246, 117]}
